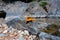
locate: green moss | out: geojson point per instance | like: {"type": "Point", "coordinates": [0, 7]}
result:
{"type": "Point", "coordinates": [42, 3]}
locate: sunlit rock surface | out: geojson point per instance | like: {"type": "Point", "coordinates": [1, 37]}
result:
{"type": "Point", "coordinates": [22, 25]}
{"type": "Point", "coordinates": [23, 9]}
{"type": "Point", "coordinates": [35, 28]}
{"type": "Point", "coordinates": [32, 8]}
{"type": "Point", "coordinates": [36, 10]}
{"type": "Point", "coordinates": [54, 9]}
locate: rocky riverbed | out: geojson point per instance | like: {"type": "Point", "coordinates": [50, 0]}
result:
{"type": "Point", "coordinates": [45, 27]}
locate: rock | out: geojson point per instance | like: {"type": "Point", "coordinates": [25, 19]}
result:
{"type": "Point", "coordinates": [2, 21]}
{"type": "Point", "coordinates": [45, 36]}
{"type": "Point", "coordinates": [35, 10]}
{"type": "Point", "coordinates": [54, 10]}
{"type": "Point", "coordinates": [24, 9]}
{"type": "Point", "coordinates": [21, 25]}
{"type": "Point", "coordinates": [18, 9]}
{"type": "Point", "coordinates": [52, 29]}
{"type": "Point", "coordinates": [43, 5]}
{"type": "Point", "coordinates": [21, 38]}
{"type": "Point", "coordinates": [26, 32]}
{"type": "Point", "coordinates": [42, 25]}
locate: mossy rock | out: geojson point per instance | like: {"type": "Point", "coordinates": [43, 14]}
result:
{"type": "Point", "coordinates": [43, 5]}
{"type": "Point", "coordinates": [52, 29]}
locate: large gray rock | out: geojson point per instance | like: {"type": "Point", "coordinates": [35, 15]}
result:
{"type": "Point", "coordinates": [21, 25]}
{"type": "Point", "coordinates": [35, 10]}
{"type": "Point", "coordinates": [54, 10]}
{"type": "Point", "coordinates": [17, 8]}
{"type": "Point", "coordinates": [45, 36]}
